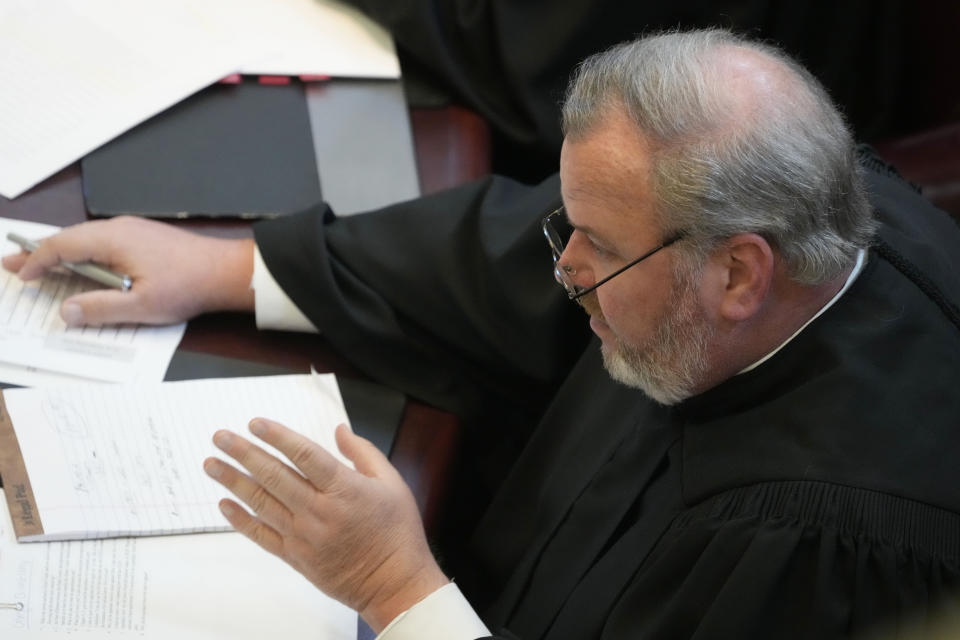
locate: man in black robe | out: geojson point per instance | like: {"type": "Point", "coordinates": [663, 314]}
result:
{"type": "Point", "coordinates": [756, 441]}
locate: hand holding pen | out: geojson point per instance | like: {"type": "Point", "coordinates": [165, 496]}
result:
{"type": "Point", "coordinates": [175, 274]}
{"type": "Point", "coordinates": [155, 272]}
{"type": "Point", "coordinates": [92, 270]}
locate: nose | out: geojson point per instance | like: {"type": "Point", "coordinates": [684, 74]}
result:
{"type": "Point", "coordinates": [570, 261]}
{"type": "Point", "coordinates": [569, 269]}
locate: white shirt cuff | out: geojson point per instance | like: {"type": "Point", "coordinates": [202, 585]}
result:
{"type": "Point", "coordinates": [445, 614]}
{"type": "Point", "coordinates": [273, 308]}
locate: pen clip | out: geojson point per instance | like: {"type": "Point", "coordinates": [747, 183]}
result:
{"type": "Point", "coordinates": [15, 606]}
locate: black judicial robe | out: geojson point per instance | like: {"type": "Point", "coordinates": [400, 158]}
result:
{"type": "Point", "coordinates": [816, 496]}
{"type": "Point", "coordinates": [510, 60]}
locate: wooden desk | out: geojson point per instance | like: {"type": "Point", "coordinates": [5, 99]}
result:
{"type": "Point", "coordinates": [452, 147]}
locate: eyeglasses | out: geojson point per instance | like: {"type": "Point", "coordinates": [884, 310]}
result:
{"type": "Point", "coordinates": [563, 273]}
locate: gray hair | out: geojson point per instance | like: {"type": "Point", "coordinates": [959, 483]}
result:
{"type": "Point", "coordinates": [785, 168]}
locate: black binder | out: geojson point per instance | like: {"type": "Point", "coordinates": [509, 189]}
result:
{"type": "Point", "coordinates": [243, 150]}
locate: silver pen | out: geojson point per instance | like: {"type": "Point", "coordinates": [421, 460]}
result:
{"type": "Point", "coordinates": [90, 270]}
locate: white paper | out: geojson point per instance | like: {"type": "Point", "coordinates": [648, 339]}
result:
{"type": "Point", "coordinates": [34, 339]}
{"type": "Point", "coordinates": [307, 37]}
{"type": "Point", "coordinates": [196, 587]}
{"type": "Point", "coordinates": [76, 73]}
{"type": "Point", "coordinates": [33, 377]}
{"type": "Point", "coordinates": [115, 460]}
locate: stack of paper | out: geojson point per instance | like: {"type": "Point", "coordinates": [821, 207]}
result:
{"type": "Point", "coordinates": [127, 460]}
{"type": "Point", "coordinates": [100, 461]}
{"type": "Point", "coordinates": [77, 73]}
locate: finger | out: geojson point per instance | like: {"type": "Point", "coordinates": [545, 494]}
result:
{"type": "Point", "coordinates": [252, 527]}
{"type": "Point", "coordinates": [13, 262]}
{"type": "Point", "coordinates": [253, 494]}
{"type": "Point", "coordinates": [88, 241]}
{"type": "Point", "coordinates": [37, 263]}
{"type": "Point", "coordinates": [273, 475]}
{"type": "Point", "coordinates": [79, 243]}
{"type": "Point", "coordinates": [316, 463]}
{"type": "Point", "coordinates": [364, 455]}
{"type": "Point", "coordinates": [105, 306]}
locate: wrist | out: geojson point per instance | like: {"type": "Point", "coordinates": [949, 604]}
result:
{"type": "Point", "coordinates": [232, 271]}
{"type": "Point", "coordinates": [390, 603]}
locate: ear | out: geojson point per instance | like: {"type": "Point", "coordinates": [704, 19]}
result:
{"type": "Point", "coordinates": [742, 272]}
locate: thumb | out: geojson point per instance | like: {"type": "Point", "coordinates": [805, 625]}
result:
{"type": "Point", "coordinates": [366, 458]}
{"type": "Point", "coordinates": [101, 306]}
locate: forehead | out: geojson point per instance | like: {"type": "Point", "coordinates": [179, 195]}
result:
{"type": "Point", "coordinates": [607, 172]}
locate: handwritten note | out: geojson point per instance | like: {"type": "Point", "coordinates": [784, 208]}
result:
{"type": "Point", "coordinates": [119, 460]}
{"type": "Point", "coordinates": [33, 336]}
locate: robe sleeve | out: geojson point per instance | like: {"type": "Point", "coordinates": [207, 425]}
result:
{"type": "Point", "coordinates": [449, 298]}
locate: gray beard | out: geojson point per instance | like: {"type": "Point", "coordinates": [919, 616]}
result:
{"type": "Point", "coordinates": [669, 366]}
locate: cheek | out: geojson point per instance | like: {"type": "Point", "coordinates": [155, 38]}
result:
{"type": "Point", "coordinates": [627, 317]}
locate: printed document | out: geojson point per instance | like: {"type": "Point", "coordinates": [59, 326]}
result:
{"type": "Point", "coordinates": [217, 586]}
{"type": "Point", "coordinates": [36, 345]}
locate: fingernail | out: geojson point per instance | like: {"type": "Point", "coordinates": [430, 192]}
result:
{"type": "Point", "coordinates": [227, 509]}
{"type": "Point", "coordinates": [258, 427]}
{"type": "Point", "coordinates": [212, 468]}
{"type": "Point", "coordinates": [222, 439]}
{"type": "Point", "coordinates": [72, 314]}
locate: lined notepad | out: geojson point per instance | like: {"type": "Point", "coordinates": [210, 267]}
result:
{"type": "Point", "coordinates": [126, 460]}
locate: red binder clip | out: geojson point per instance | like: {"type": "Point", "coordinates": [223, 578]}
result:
{"type": "Point", "coordinates": [274, 79]}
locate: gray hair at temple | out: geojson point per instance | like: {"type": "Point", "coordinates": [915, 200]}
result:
{"type": "Point", "coordinates": [780, 163]}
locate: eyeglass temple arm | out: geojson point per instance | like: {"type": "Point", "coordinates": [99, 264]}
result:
{"type": "Point", "coordinates": [666, 243]}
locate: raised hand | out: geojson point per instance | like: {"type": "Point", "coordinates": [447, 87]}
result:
{"type": "Point", "coordinates": [355, 534]}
